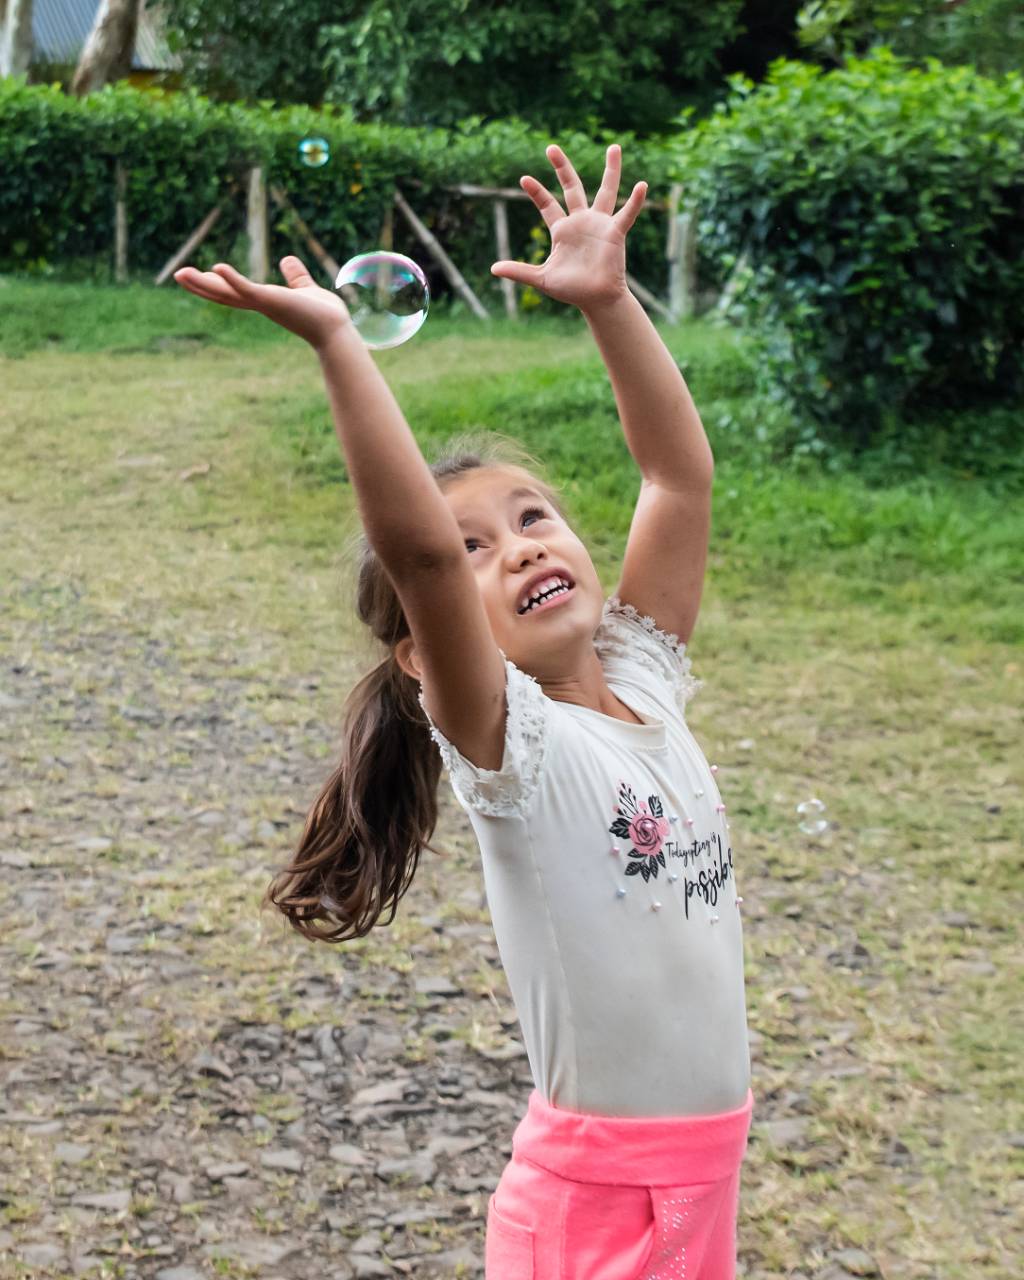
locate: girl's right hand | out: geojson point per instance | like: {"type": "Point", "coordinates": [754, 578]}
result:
{"type": "Point", "coordinates": [304, 308]}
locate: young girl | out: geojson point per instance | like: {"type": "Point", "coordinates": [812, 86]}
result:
{"type": "Point", "coordinates": [560, 717]}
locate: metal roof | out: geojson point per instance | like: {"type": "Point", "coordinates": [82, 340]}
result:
{"type": "Point", "coordinates": [60, 28]}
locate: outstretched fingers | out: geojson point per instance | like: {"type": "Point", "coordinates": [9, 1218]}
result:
{"type": "Point", "coordinates": [576, 196]}
{"type": "Point", "coordinates": [604, 201]}
{"type": "Point", "coordinates": [627, 215]}
{"type": "Point", "coordinates": [550, 210]}
{"type": "Point", "coordinates": [209, 285]}
{"type": "Point", "coordinates": [242, 285]}
{"type": "Point", "coordinates": [572, 185]}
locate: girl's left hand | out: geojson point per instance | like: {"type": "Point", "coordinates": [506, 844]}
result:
{"type": "Point", "coordinates": [587, 262]}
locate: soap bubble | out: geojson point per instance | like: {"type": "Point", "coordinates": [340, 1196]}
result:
{"type": "Point", "coordinates": [811, 822]}
{"type": "Point", "coordinates": [386, 295]}
{"type": "Point", "coordinates": [314, 152]}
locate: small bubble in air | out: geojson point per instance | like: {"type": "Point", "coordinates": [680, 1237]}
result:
{"type": "Point", "coordinates": [314, 152]}
{"type": "Point", "coordinates": [810, 812]}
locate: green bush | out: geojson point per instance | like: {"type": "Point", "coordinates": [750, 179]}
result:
{"type": "Point", "coordinates": [881, 212]}
{"type": "Point", "coordinates": [183, 153]}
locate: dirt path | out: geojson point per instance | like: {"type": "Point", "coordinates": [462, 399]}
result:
{"type": "Point", "coordinates": [185, 1095]}
{"type": "Point", "coordinates": [177, 1091]}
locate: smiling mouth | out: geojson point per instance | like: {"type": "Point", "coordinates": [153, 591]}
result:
{"type": "Point", "coordinates": [548, 600]}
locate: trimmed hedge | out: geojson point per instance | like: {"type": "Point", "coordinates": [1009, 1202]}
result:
{"type": "Point", "coordinates": [881, 209]}
{"type": "Point", "coordinates": [182, 151]}
{"type": "Point", "coordinates": [880, 206]}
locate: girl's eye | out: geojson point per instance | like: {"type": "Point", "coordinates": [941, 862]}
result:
{"type": "Point", "coordinates": [529, 511]}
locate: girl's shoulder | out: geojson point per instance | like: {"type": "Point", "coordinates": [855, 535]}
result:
{"type": "Point", "coordinates": [504, 792]}
{"type": "Point", "coordinates": [631, 643]}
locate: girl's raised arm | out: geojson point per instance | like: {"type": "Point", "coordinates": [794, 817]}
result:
{"type": "Point", "coordinates": [404, 514]}
{"type": "Point", "coordinates": [665, 559]}
{"type": "Point", "coordinates": [413, 531]}
{"type": "Point", "coordinates": [402, 510]}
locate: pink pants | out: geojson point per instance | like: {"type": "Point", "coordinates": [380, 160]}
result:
{"type": "Point", "coordinates": [588, 1197]}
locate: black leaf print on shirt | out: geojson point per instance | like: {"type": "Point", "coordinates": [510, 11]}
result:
{"type": "Point", "coordinates": [644, 865]}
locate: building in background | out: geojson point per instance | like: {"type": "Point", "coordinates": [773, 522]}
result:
{"type": "Point", "coordinates": [61, 27]}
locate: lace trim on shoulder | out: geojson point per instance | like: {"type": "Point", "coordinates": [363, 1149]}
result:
{"type": "Point", "coordinates": [663, 651]}
{"type": "Point", "coordinates": [507, 791]}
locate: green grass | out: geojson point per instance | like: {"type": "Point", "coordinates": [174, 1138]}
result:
{"type": "Point", "coordinates": [903, 530]}
{"type": "Point", "coordinates": [44, 315]}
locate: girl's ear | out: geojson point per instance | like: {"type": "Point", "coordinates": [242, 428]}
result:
{"type": "Point", "coordinates": [404, 654]}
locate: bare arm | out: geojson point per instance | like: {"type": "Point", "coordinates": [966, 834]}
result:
{"type": "Point", "coordinates": [405, 517]}
{"type": "Point", "coordinates": [666, 554]}
{"type": "Point", "coordinates": [659, 419]}
{"type": "Point", "coordinates": [664, 564]}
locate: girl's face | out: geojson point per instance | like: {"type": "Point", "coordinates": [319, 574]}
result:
{"type": "Point", "coordinates": [515, 540]}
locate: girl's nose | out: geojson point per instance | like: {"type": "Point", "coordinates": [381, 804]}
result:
{"type": "Point", "coordinates": [527, 549]}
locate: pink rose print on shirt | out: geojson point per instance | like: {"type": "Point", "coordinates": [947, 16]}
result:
{"type": "Point", "coordinates": [646, 826]}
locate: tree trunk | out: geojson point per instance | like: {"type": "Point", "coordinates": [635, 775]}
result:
{"type": "Point", "coordinates": [107, 55]}
{"type": "Point", "coordinates": [16, 37]}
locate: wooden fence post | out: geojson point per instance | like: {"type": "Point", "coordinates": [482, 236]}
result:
{"type": "Point", "coordinates": [647, 298]}
{"type": "Point", "coordinates": [330, 267]}
{"type": "Point", "coordinates": [194, 240]}
{"type": "Point", "coordinates": [256, 225]}
{"type": "Point", "coordinates": [732, 284]}
{"type": "Point", "coordinates": [508, 287]}
{"type": "Point", "coordinates": [681, 252]}
{"type": "Point", "coordinates": [120, 225]}
{"type": "Point", "coordinates": [455, 277]}
{"type": "Point", "coordinates": [387, 228]}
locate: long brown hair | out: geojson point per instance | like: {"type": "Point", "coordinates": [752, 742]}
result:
{"type": "Point", "coordinates": [378, 809]}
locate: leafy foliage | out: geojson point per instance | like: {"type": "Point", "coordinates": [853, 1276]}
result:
{"type": "Point", "coordinates": [250, 49]}
{"type": "Point", "coordinates": [987, 33]}
{"type": "Point", "coordinates": [183, 154]}
{"type": "Point", "coordinates": [880, 211]}
{"type": "Point", "coordinates": [576, 65]}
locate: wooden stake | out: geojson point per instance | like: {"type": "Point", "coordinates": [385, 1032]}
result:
{"type": "Point", "coordinates": [256, 226]}
{"type": "Point", "coordinates": [647, 298]}
{"type": "Point", "coordinates": [508, 287]}
{"type": "Point", "coordinates": [195, 239]}
{"type": "Point", "coordinates": [387, 243]}
{"type": "Point", "coordinates": [672, 250]}
{"type": "Point", "coordinates": [330, 267]}
{"type": "Point", "coordinates": [681, 252]}
{"type": "Point", "coordinates": [120, 225]}
{"type": "Point", "coordinates": [732, 284]}
{"type": "Point", "coordinates": [387, 229]}
{"type": "Point", "coordinates": [447, 266]}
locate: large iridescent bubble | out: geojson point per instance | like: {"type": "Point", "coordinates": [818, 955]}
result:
{"type": "Point", "coordinates": [386, 295]}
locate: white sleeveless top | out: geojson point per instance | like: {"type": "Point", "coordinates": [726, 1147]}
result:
{"type": "Point", "coordinates": [611, 887]}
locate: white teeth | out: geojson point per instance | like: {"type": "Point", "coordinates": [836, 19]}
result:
{"type": "Point", "coordinates": [546, 585]}
{"type": "Point", "coordinates": [535, 604]}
